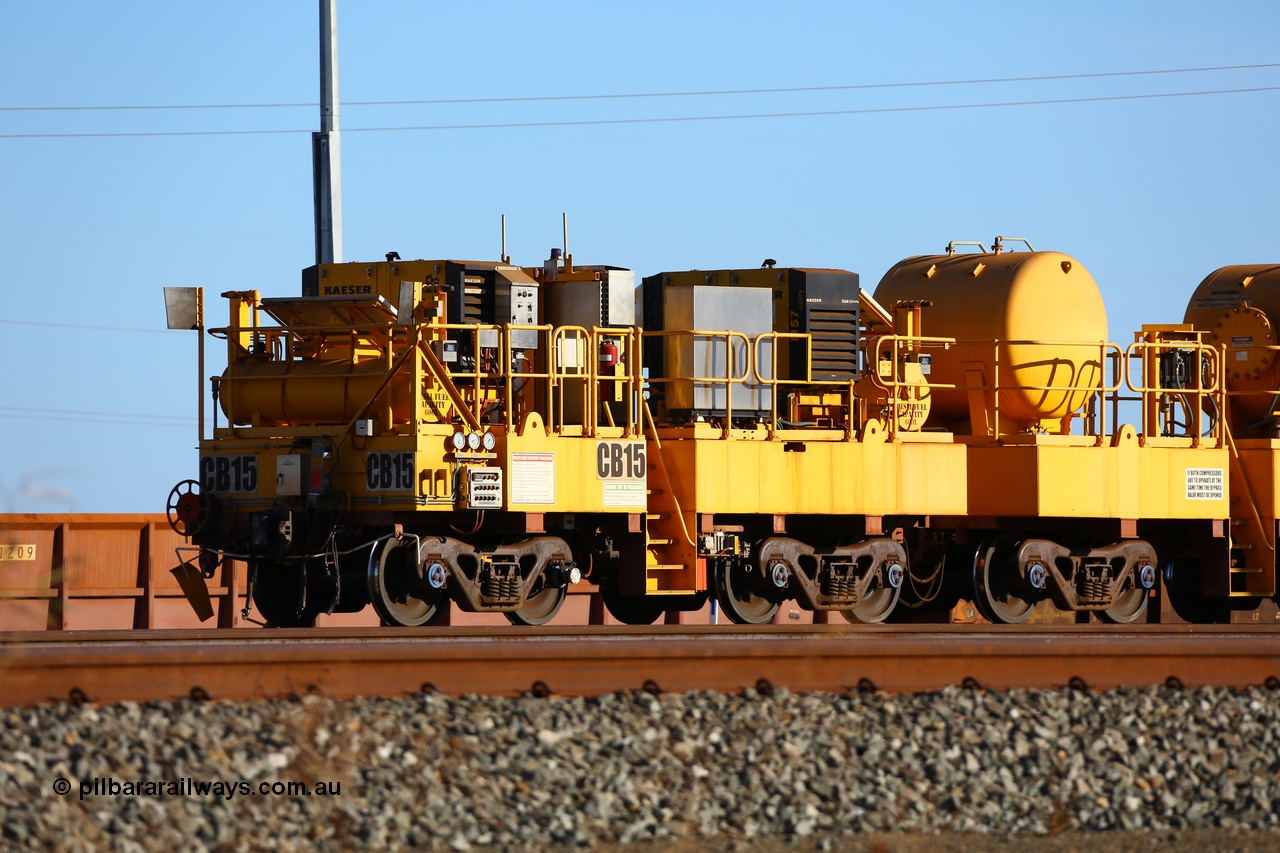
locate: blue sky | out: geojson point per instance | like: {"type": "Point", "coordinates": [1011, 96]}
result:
{"type": "Point", "coordinates": [1149, 194]}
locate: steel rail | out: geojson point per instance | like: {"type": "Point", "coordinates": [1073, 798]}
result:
{"type": "Point", "coordinates": [239, 665]}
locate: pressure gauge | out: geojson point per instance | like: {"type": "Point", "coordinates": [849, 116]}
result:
{"type": "Point", "coordinates": [473, 441]}
{"type": "Point", "coordinates": [459, 440]}
{"type": "Point", "coordinates": [490, 441]}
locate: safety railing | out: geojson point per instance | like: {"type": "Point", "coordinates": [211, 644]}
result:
{"type": "Point", "coordinates": [287, 342]}
{"type": "Point", "coordinates": [567, 364]}
{"type": "Point", "coordinates": [630, 377]}
{"type": "Point", "coordinates": [482, 378]}
{"type": "Point", "coordinates": [774, 382]}
{"type": "Point", "coordinates": [1203, 399]}
{"type": "Point", "coordinates": [1184, 373]}
{"type": "Point", "coordinates": [572, 372]}
{"type": "Point", "coordinates": [1257, 395]}
{"type": "Point", "coordinates": [280, 343]}
{"type": "Point", "coordinates": [725, 382]}
{"type": "Point", "coordinates": [892, 350]}
{"type": "Point", "coordinates": [1100, 375]}
{"type": "Point", "coordinates": [999, 356]}
{"type": "Point", "coordinates": [486, 384]}
{"type": "Point", "coordinates": [1249, 408]}
{"type": "Point", "coordinates": [482, 382]}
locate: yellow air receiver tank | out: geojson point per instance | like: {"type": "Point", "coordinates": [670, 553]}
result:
{"type": "Point", "coordinates": [1238, 306]}
{"type": "Point", "coordinates": [1037, 304]}
{"type": "Point", "coordinates": [293, 393]}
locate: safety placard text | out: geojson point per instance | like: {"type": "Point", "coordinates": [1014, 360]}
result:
{"type": "Point", "coordinates": [1204, 484]}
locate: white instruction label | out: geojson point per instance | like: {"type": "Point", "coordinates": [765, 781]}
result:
{"type": "Point", "coordinates": [533, 478]}
{"type": "Point", "coordinates": [1204, 484]}
{"type": "Point", "coordinates": [624, 494]}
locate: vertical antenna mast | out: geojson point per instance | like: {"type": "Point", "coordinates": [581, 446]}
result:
{"type": "Point", "coordinates": [326, 154]}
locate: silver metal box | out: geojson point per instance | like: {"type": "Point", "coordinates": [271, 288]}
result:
{"type": "Point", "coordinates": [607, 302]}
{"type": "Point", "coordinates": [518, 305]}
{"type": "Point", "coordinates": [710, 308]}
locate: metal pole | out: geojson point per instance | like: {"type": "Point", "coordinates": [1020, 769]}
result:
{"type": "Point", "coordinates": [326, 154]}
{"type": "Point", "coordinates": [200, 361]}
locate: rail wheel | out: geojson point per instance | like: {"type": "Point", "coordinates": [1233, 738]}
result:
{"type": "Point", "coordinates": [1130, 605]}
{"type": "Point", "coordinates": [740, 602]}
{"type": "Point", "coordinates": [284, 597]}
{"type": "Point", "coordinates": [993, 584]}
{"type": "Point", "coordinates": [875, 606]}
{"type": "Point", "coordinates": [630, 609]}
{"type": "Point", "coordinates": [188, 511]}
{"type": "Point", "coordinates": [540, 607]}
{"type": "Point", "coordinates": [399, 595]}
{"type": "Point", "coordinates": [1183, 579]}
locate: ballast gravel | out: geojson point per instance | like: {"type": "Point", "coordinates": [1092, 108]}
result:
{"type": "Point", "coordinates": [767, 770]}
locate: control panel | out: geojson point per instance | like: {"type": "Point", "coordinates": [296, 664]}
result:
{"type": "Point", "coordinates": [484, 488]}
{"type": "Point", "coordinates": [520, 308]}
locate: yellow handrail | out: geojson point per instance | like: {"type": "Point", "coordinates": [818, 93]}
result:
{"type": "Point", "coordinates": [1145, 354]}
{"type": "Point", "coordinates": [662, 463]}
{"type": "Point", "coordinates": [731, 376]}
{"type": "Point", "coordinates": [1248, 490]}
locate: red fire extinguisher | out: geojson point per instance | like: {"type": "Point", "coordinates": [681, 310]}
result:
{"type": "Point", "coordinates": [608, 361]}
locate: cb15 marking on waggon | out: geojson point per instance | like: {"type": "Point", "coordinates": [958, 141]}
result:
{"type": "Point", "coordinates": [620, 460]}
{"type": "Point", "coordinates": [229, 473]}
{"type": "Point", "coordinates": [389, 472]}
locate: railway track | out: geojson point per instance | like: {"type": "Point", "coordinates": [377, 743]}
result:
{"type": "Point", "coordinates": [132, 665]}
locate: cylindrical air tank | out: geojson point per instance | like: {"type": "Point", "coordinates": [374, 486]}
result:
{"type": "Point", "coordinates": [1037, 304]}
{"type": "Point", "coordinates": [1238, 307]}
{"type": "Point", "coordinates": [299, 392]}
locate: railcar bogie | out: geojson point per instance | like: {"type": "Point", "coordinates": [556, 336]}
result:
{"type": "Point", "coordinates": [1012, 574]}
{"type": "Point", "coordinates": [862, 580]}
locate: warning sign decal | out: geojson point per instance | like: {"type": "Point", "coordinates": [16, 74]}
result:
{"type": "Point", "coordinates": [1204, 484]}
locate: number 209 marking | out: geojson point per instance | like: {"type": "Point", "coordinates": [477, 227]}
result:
{"type": "Point", "coordinates": [620, 460]}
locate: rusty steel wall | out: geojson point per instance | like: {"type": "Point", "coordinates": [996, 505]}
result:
{"type": "Point", "coordinates": [101, 571]}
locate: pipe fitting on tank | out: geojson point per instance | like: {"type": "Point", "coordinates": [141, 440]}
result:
{"type": "Point", "coordinates": [998, 245]}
